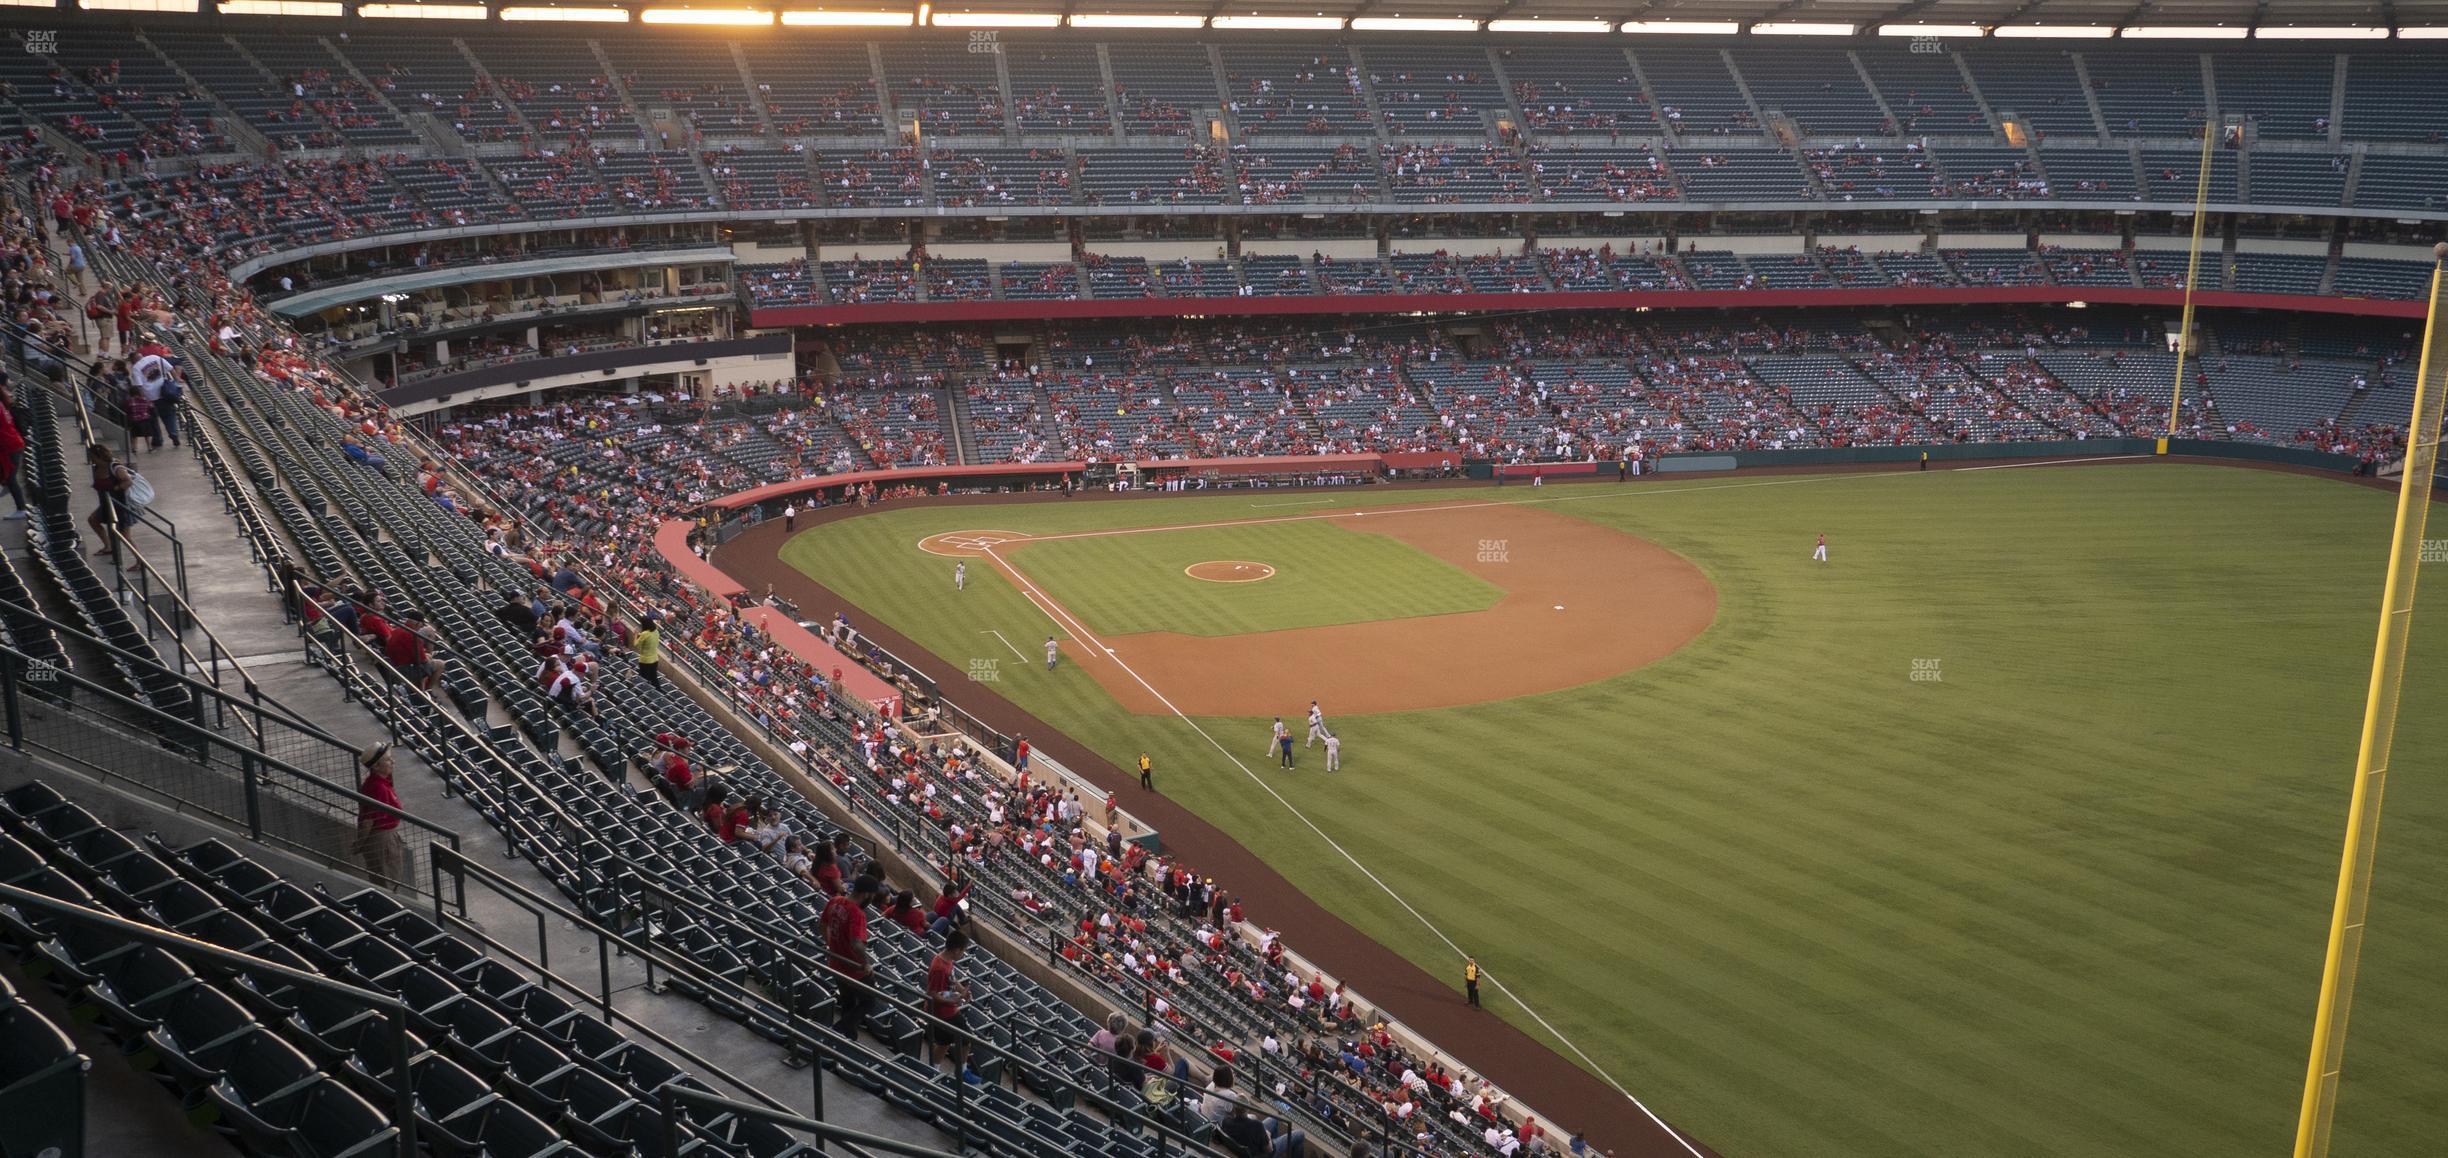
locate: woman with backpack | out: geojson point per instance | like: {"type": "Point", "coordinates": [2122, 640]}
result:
{"type": "Point", "coordinates": [142, 420]}
{"type": "Point", "coordinates": [112, 480]}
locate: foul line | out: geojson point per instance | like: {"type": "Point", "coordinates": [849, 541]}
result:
{"type": "Point", "coordinates": [1055, 611]}
{"type": "Point", "coordinates": [1007, 643]}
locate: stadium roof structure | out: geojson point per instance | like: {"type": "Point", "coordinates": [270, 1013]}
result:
{"type": "Point", "coordinates": [2133, 19]}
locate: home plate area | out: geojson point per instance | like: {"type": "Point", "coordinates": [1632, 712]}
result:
{"type": "Point", "coordinates": [1229, 571]}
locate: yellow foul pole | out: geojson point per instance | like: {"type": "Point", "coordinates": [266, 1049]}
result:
{"type": "Point", "coordinates": [2379, 731]}
{"type": "Point", "coordinates": [2184, 329]}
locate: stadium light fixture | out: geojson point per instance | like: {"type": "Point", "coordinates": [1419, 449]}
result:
{"type": "Point", "coordinates": [1135, 20]}
{"type": "Point", "coordinates": [2319, 32]}
{"type": "Point", "coordinates": [423, 11]}
{"type": "Point", "coordinates": [29, 3]}
{"type": "Point", "coordinates": [997, 19]}
{"type": "Point", "coordinates": [137, 5]}
{"type": "Point", "coordinates": [570, 15]}
{"type": "Point", "coordinates": [1414, 24]}
{"type": "Point", "coordinates": [726, 17]}
{"type": "Point", "coordinates": [2053, 31]}
{"type": "Point", "coordinates": [1803, 28]}
{"type": "Point", "coordinates": [1279, 23]}
{"type": "Point", "coordinates": [1681, 27]}
{"type": "Point", "coordinates": [1549, 26]}
{"type": "Point", "coordinates": [1920, 30]}
{"type": "Point", "coordinates": [2184, 32]}
{"type": "Point", "coordinates": [829, 18]}
{"type": "Point", "coordinates": [280, 7]}
{"type": "Point", "coordinates": [2432, 32]}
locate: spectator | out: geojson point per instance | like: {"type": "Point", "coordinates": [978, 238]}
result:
{"type": "Point", "coordinates": [409, 648]}
{"type": "Point", "coordinates": [378, 844]}
{"type": "Point", "coordinates": [12, 449]}
{"type": "Point", "coordinates": [649, 644]}
{"type": "Point", "coordinates": [947, 1000]}
{"type": "Point", "coordinates": [845, 933]}
{"type": "Point", "coordinates": [111, 480]}
{"type": "Point", "coordinates": [518, 614]}
{"type": "Point", "coordinates": [1250, 1138]}
{"type": "Point", "coordinates": [154, 380]}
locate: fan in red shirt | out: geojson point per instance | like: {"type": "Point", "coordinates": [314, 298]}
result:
{"type": "Point", "coordinates": [406, 648]}
{"type": "Point", "coordinates": [946, 996]}
{"type": "Point", "coordinates": [845, 933]}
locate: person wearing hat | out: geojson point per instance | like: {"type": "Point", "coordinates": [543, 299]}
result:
{"type": "Point", "coordinates": [378, 844]}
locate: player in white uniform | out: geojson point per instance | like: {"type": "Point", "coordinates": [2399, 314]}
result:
{"type": "Point", "coordinates": [1819, 553]}
{"type": "Point", "coordinates": [1334, 752]}
{"type": "Point", "coordinates": [1275, 738]}
{"type": "Point", "coordinates": [1317, 725]}
{"type": "Point", "coordinates": [960, 576]}
{"type": "Point", "coordinates": [1052, 653]}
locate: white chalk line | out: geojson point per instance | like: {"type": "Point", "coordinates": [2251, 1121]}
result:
{"type": "Point", "coordinates": [1056, 612]}
{"type": "Point", "coordinates": [1007, 643]}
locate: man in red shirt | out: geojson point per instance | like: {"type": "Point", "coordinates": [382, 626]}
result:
{"type": "Point", "coordinates": [378, 838]}
{"type": "Point", "coordinates": [946, 995]}
{"type": "Point", "coordinates": [407, 649]}
{"type": "Point", "coordinates": [845, 932]}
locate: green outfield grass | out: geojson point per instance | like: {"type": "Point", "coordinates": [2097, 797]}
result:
{"type": "Point", "coordinates": [2066, 898]}
{"type": "Point", "coordinates": [1324, 574]}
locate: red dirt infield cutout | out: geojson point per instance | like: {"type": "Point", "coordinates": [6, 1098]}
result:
{"type": "Point", "coordinates": [1229, 571]}
{"type": "Point", "coordinates": [1582, 602]}
{"type": "Point", "coordinates": [972, 544]}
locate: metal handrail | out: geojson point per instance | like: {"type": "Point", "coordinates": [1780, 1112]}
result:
{"type": "Point", "coordinates": [187, 616]}
{"type": "Point", "coordinates": [619, 595]}
{"type": "Point", "coordinates": [21, 664]}
{"type": "Point", "coordinates": [257, 703]}
{"type": "Point", "coordinates": [395, 1011]}
{"type": "Point", "coordinates": [861, 1144]}
{"type": "Point", "coordinates": [81, 394]}
{"type": "Point", "coordinates": [539, 906]}
{"type": "Point", "coordinates": [917, 1011]}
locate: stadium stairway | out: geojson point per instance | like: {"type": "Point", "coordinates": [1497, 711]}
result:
{"type": "Point", "coordinates": [234, 595]}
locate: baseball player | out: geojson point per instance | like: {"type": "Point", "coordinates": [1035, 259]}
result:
{"type": "Point", "coordinates": [1052, 653]}
{"type": "Point", "coordinates": [1278, 737]}
{"type": "Point", "coordinates": [1317, 725]}
{"type": "Point", "coordinates": [1819, 552]}
{"type": "Point", "coordinates": [960, 575]}
{"type": "Point", "coordinates": [1334, 752]}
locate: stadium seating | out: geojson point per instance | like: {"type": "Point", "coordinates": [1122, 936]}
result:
{"type": "Point", "coordinates": [1577, 91]}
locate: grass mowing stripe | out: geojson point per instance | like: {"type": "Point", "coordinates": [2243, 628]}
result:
{"type": "Point", "coordinates": [2067, 900]}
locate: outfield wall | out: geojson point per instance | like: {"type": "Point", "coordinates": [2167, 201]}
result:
{"type": "Point", "coordinates": [1961, 451]}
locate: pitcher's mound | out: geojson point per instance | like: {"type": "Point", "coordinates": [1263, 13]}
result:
{"type": "Point", "coordinates": [1229, 571]}
{"type": "Point", "coordinates": [967, 542]}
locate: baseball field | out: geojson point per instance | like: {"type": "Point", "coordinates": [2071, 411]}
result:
{"type": "Point", "coordinates": [2011, 829]}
